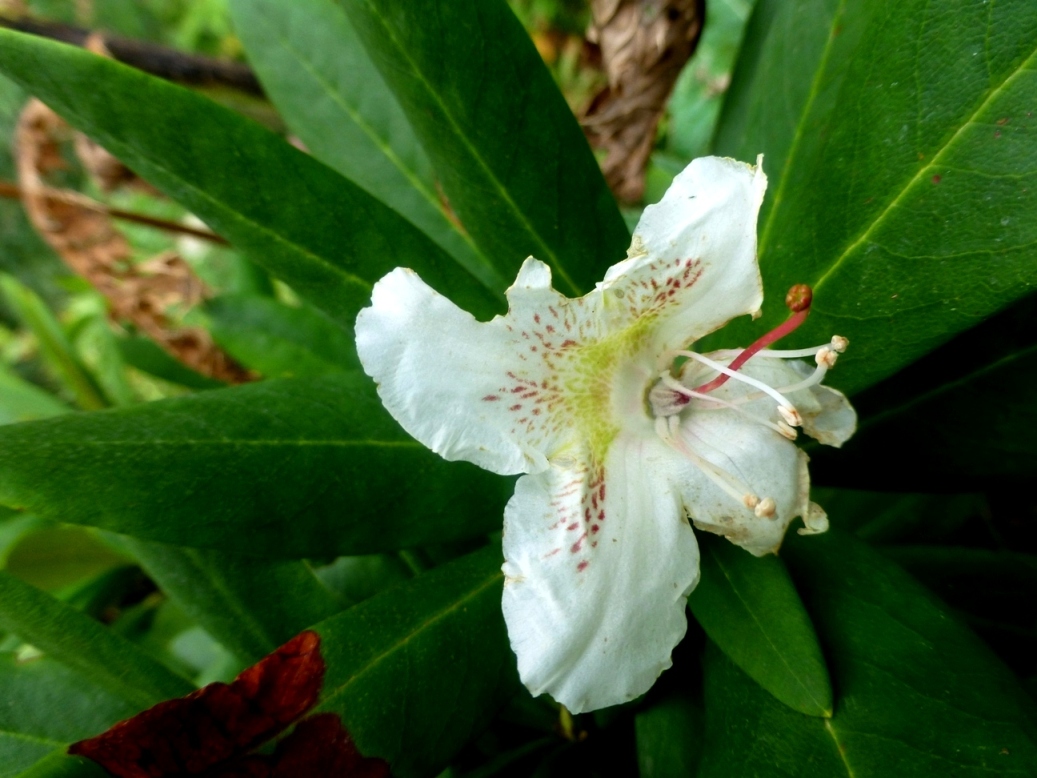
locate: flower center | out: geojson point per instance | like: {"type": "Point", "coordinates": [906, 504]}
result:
{"type": "Point", "coordinates": [669, 397]}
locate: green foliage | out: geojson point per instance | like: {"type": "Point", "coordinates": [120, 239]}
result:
{"type": "Point", "coordinates": [162, 529]}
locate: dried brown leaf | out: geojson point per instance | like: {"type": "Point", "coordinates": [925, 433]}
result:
{"type": "Point", "coordinates": [644, 45]}
{"type": "Point", "coordinates": [84, 236]}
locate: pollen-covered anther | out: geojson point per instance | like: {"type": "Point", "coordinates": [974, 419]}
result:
{"type": "Point", "coordinates": [790, 415]}
{"type": "Point", "coordinates": [826, 358]}
{"type": "Point", "coordinates": [839, 344]}
{"type": "Point", "coordinates": [766, 508]}
{"type": "Point", "coordinates": [787, 430]}
{"type": "Point", "coordinates": [751, 501]}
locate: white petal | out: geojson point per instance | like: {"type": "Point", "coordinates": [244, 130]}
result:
{"type": "Point", "coordinates": [600, 562]}
{"type": "Point", "coordinates": [765, 464]}
{"type": "Point", "coordinates": [475, 391]}
{"type": "Point", "coordinates": [692, 263]}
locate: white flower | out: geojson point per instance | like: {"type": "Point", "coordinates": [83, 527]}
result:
{"type": "Point", "coordinates": [620, 448]}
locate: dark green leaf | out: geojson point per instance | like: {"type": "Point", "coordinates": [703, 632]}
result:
{"type": "Point", "coordinates": [417, 670]}
{"type": "Point", "coordinates": [510, 156]}
{"type": "Point", "coordinates": [250, 605]}
{"type": "Point", "coordinates": [918, 694]}
{"type": "Point", "coordinates": [906, 197]}
{"type": "Point", "coordinates": [289, 469]}
{"type": "Point", "coordinates": [326, 237]}
{"type": "Point", "coordinates": [85, 645]}
{"type": "Point", "coordinates": [989, 370]}
{"type": "Point", "coordinates": [55, 556]}
{"type": "Point", "coordinates": [333, 98]}
{"type": "Point", "coordinates": [357, 578]}
{"type": "Point", "coordinates": [281, 341]}
{"type": "Point", "coordinates": [670, 737]}
{"type": "Point", "coordinates": [750, 609]}
{"type": "Point", "coordinates": [47, 706]}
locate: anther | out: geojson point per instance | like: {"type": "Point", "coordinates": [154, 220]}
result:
{"type": "Point", "coordinates": [790, 415]}
{"type": "Point", "coordinates": [787, 430]}
{"type": "Point", "coordinates": [751, 501]}
{"type": "Point", "coordinates": [839, 344]}
{"type": "Point", "coordinates": [766, 508]}
{"type": "Point", "coordinates": [826, 358]}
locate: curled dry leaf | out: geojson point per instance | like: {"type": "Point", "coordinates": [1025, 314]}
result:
{"type": "Point", "coordinates": [211, 732]}
{"type": "Point", "coordinates": [644, 45]}
{"type": "Point", "coordinates": [85, 237]}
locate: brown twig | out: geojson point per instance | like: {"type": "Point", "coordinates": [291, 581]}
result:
{"type": "Point", "coordinates": [161, 61]}
{"type": "Point", "coordinates": [14, 192]}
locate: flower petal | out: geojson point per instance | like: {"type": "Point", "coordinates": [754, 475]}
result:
{"type": "Point", "coordinates": [600, 561]}
{"type": "Point", "coordinates": [766, 465]}
{"type": "Point", "coordinates": [481, 392]}
{"type": "Point", "coordinates": [692, 262]}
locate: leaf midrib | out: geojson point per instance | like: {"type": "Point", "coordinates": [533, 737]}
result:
{"type": "Point", "coordinates": [402, 643]}
{"type": "Point", "coordinates": [767, 637]}
{"type": "Point", "coordinates": [502, 191]}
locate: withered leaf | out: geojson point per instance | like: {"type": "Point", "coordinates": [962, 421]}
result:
{"type": "Point", "coordinates": [644, 45]}
{"type": "Point", "coordinates": [210, 731]}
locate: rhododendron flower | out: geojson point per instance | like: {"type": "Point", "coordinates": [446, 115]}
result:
{"type": "Point", "coordinates": [625, 435]}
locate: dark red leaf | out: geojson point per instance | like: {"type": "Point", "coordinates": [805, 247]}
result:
{"type": "Point", "coordinates": [217, 726]}
{"type": "Point", "coordinates": [321, 747]}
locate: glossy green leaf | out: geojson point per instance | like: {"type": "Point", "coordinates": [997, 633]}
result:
{"type": "Point", "coordinates": [416, 671]}
{"type": "Point", "coordinates": [85, 645]}
{"type": "Point", "coordinates": [335, 101]}
{"type": "Point", "coordinates": [278, 340]}
{"type": "Point", "coordinates": [990, 370]}
{"type": "Point", "coordinates": [326, 237]}
{"type": "Point", "coordinates": [53, 344]}
{"type": "Point", "coordinates": [288, 469]}
{"type": "Point", "coordinates": [47, 706]}
{"type": "Point", "coordinates": [250, 605]}
{"type": "Point", "coordinates": [505, 146]}
{"type": "Point", "coordinates": [750, 609]}
{"type": "Point", "coordinates": [918, 694]}
{"type": "Point", "coordinates": [906, 196]}
{"type": "Point", "coordinates": [670, 737]}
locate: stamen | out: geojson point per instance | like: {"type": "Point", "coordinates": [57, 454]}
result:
{"type": "Point", "coordinates": [781, 427]}
{"type": "Point", "coordinates": [766, 509]}
{"type": "Point", "coordinates": [798, 300]}
{"type": "Point", "coordinates": [667, 428]}
{"type": "Point", "coordinates": [729, 373]}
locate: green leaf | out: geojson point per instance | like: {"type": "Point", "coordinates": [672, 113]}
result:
{"type": "Point", "coordinates": [280, 341]}
{"type": "Point", "coordinates": [285, 469]}
{"type": "Point", "coordinates": [990, 368]}
{"type": "Point", "coordinates": [906, 197]}
{"type": "Point", "coordinates": [335, 101]}
{"type": "Point", "coordinates": [85, 645]}
{"type": "Point", "coordinates": [148, 357]}
{"type": "Point", "coordinates": [55, 556]}
{"type": "Point", "coordinates": [505, 146]}
{"type": "Point", "coordinates": [61, 765]}
{"type": "Point", "coordinates": [54, 346]}
{"type": "Point", "coordinates": [670, 737]}
{"type": "Point", "coordinates": [324, 236]}
{"type": "Point", "coordinates": [918, 693]}
{"type": "Point", "coordinates": [250, 605]}
{"type": "Point", "coordinates": [22, 401]}
{"type": "Point", "coordinates": [750, 609]}
{"type": "Point", "coordinates": [47, 706]}
{"type": "Point", "coordinates": [416, 671]}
